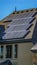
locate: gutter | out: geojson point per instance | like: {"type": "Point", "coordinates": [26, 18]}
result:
{"type": "Point", "coordinates": [12, 41]}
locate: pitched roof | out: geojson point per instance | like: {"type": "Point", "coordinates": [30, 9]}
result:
{"type": "Point", "coordinates": [19, 27]}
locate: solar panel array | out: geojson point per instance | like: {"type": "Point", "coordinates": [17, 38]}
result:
{"type": "Point", "coordinates": [18, 28]}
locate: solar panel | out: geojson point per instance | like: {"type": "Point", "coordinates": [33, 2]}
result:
{"type": "Point", "coordinates": [21, 21]}
{"type": "Point", "coordinates": [15, 34]}
{"type": "Point", "coordinates": [18, 28]}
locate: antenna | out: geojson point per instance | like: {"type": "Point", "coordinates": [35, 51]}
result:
{"type": "Point", "coordinates": [15, 9]}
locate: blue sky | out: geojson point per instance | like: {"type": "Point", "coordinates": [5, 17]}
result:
{"type": "Point", "coordinates": [8, 6]}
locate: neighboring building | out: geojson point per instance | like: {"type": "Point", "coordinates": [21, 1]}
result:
{"type": "Point", "coordinates": [19, 37]}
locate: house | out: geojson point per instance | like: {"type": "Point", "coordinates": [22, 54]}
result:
{"type": "Point", "coordinates": [19, 37]}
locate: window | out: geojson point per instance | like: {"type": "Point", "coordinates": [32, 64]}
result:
{"type": "Point", "coordinates": [8, 51]}
{"type": "Point", "coordinates": [15, 51]}
{"type": "Point", "coordinates": [1, 51]}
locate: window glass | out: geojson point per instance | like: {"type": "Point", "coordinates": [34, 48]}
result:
{"type": "Point", "coordinates": [8, 51]}
{"type": "Point", "coordinates": [1, 51]}
{"type": "Point", "coordinates": [15, 51]}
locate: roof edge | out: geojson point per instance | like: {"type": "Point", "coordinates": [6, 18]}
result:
{"type": "Point", "coordinates": [15, 41]}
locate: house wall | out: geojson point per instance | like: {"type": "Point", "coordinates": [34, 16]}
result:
{"type": "Point", "coordinates": [24, 54]}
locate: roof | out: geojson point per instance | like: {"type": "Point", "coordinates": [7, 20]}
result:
{"type": "Point", "coordinates": [19, 28]}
